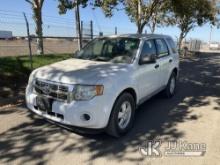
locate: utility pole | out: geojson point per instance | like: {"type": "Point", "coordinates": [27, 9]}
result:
{"type": "Point", "coordinates": [91, 29]}
{"type": "Point", "coordinates": [78, 27]}
{"type": "Point", "coordinates": [81, 30]}
{"type": "Point", "coordinates": [116, 30]}
{"type": "Point", "coordinates": [210, 36]}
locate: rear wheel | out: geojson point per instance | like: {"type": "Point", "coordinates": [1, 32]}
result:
{"type": "Point", "coordinates": [171, 86]}
{"type": "Point", "coordinates": [122, 116]}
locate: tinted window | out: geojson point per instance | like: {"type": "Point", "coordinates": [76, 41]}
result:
{"type": "Point", "coordinates": [172, 45]}
{"type": "Point", "coordinates": [162, 48]}
{"type": "Point", "coordinates": [148, 48]}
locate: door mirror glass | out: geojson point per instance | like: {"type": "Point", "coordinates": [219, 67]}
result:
{"type": "Point", "coordinates": [148, 53]}
{"type": "Point", "coordinates": [148, 59]}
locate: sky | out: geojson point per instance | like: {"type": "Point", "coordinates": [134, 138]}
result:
{"type": "Point", "coordinates": [11, 18]}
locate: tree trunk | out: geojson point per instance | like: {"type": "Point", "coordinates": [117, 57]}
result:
{"type": "Point", "coordinates": [39, 32]}
{"type": "Point", "coordinates": [181, 37]}
{"type": "Point", "coordinates": [140, 27]}
{"type": "Point", "coordinates": [153, 27]}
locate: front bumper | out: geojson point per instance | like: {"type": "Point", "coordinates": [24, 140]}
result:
{"type": "Point", "coordinates": [72, 114]}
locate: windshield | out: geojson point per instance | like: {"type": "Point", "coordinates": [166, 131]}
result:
{"type": "Point", "coordinates": [116, 50]}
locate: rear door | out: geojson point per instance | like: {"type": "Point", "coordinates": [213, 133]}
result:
{"type": "Point", "coordinates": [164, 59]}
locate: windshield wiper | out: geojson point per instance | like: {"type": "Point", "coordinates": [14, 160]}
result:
{"type": "Point", "coordinates": [101, 58]}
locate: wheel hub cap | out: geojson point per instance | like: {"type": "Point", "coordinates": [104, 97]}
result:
{"type": "Point", "coordinates": [124, 115]}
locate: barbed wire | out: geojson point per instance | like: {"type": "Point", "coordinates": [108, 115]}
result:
{"type": "Point", "coordinates": [14, 21]}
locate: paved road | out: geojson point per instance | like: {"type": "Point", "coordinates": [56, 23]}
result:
{"type": "Point", "coordinates": [193, 115]}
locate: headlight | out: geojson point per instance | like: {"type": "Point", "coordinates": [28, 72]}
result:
{"type": "Point", "coordinates": [87, 92]}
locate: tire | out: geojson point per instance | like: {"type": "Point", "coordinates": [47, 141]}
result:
{"type": "Point", "coordinates": [115, 124]}
{"type": "Point", "coordinates": [170, 89]}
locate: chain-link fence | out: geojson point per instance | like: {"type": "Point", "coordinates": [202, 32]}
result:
{"type": "Point", "coordinates": [59, 34]}
{"type": "Point", "coordinates": [195, 45]}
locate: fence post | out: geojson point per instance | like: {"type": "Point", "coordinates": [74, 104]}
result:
{"type": "Point", "coordinates": [78, 27]}
{"type": "Point", "coordinates": [81, 30]}
{"type": "Point", "coordinates": [91, 29]}
{"type": "Point", "coordinates": [116, 30]}
{"type": "Point", "coordinates": [29, 40]}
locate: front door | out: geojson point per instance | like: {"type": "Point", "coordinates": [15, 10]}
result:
{"type": "Point", "coordinates": [147, 74]}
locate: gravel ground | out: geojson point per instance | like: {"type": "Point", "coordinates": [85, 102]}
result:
{"type": "Point", "coordinates": [193, 115]}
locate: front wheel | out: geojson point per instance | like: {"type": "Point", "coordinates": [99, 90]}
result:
{"type": "Point", "coordinates": [171, 86]}
{"type": "Point", "coordinates": [122, 116]}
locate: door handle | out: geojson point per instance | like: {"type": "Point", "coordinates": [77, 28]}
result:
{"type": "Point", "coordinates": [156, 66]}
{"type": "Point", "coordinates": [170, 60]}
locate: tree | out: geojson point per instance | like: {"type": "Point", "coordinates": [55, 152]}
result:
{"type": "Point", "coordinates": [187, 14]}
{"type": "Point", "coordinates": [65, 5]}
{"type": "Point", "coordinates": [141, 12]}
{"type": "Point", "coordinates": [160, 17]}
{"type": "Point", "coordinates": [37, 16]}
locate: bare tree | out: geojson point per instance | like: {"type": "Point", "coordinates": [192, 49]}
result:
{"type": "Point", "coordinates": [37, 16]}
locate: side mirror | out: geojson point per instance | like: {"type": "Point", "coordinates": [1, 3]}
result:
{"type": "Point", "coordinates": [147, 59]}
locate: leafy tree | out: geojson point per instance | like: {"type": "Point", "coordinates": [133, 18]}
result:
{"type": "Point", "coordinates": [37, 16]}
{"type": "Point", "coordinates": [187, 14]}
{"type": "Point", "coordinates": [160, 17]}
{"type": "Point", "coordinates": [141, 12]}
{"type": "Point", "coordinates": [65, 5]}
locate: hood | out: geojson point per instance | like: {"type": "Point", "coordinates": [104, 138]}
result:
{"type": "Point", "coordinates": [76, 71]}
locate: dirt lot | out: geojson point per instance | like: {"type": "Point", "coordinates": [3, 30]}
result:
{"type": "Point", "coordinates": [192, 115]}
{"type": "Point", "coordinates": [20, 47]}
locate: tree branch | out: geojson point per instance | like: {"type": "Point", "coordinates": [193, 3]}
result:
{"type": "Point", "coordinates": [29, 1]}
{"type": "Point", "coordinates": [41, 3]}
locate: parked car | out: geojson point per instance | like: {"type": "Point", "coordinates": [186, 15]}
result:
{"type": "Point", "coordinates": [105, 82]}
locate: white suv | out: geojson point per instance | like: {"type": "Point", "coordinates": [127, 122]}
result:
{"type": "Point", "coordinates": [105, 82]}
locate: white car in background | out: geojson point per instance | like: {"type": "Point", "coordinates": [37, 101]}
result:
{"type": "Point", "coordinates": [102, 86]}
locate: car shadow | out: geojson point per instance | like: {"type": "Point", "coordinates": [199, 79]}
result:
{"type": "Point", "coordinates": [158, 117]}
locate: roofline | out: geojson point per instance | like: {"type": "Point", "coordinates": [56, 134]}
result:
{"type": "Point", "coordinates": [139, 36]}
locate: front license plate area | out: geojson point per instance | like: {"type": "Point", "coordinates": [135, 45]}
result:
{"type": "Point", "coordinates": [44, 104]}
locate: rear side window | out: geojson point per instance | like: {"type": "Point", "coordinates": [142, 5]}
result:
{"type": "Point", "coordinates": [148, 48]}
{"type": "Point", "coordinates": [162, 48]}
{"type": "Point", "coordinates": [172, 45]}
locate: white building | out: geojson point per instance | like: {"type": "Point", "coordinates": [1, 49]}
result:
{"type": "Point", "coordinates": [5, 34]}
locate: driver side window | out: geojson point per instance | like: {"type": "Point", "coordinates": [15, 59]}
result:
{"type": "Point", "coordinates": [148, 48]}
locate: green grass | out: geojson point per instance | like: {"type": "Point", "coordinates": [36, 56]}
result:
{"type": "Point", "coordinates": [20, 65]}
{"type": "Point", "coordinates": [14, 72]}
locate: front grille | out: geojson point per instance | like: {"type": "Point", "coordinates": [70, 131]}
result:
{"type": "Point", "coordinates": [48, 89]}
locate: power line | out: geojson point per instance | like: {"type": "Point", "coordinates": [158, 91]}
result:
{"type": "Point", "coordinates": [16, 17]}
{"type": "Point", "coordinates": [30, 14]}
